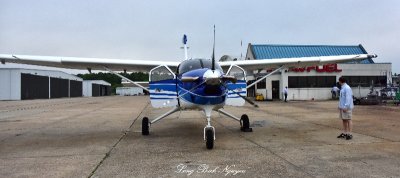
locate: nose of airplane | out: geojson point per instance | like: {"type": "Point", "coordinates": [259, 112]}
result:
{"type": "Point", "coordinates": [212, 77]}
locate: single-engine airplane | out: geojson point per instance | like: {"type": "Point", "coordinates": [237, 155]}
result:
{"type": "Point", "coordinates": [193, 84]}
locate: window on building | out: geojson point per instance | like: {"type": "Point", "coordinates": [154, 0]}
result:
{"type": "Point", "coordinates": [302, 82]}
{"type": "Point", "coordinates": [311, 81]}
{"type": "Point", "coordinates": [293, 82]}
{"type": "Point", "coordinates": [261, 85]}
{"type": "Point", "coordinates": [366, 81]}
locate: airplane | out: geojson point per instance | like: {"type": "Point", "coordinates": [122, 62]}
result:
{"type": "Point", "coordinates": [193, 84]}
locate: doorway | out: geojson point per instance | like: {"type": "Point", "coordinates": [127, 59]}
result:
{"type": "Point", "coordinates": [275, 89]}
{"type": "Point", "coordinates": [251, 92]}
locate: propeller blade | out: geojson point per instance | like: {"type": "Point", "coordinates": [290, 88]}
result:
{"type": "Point", "coordinates": [213, 54]}
{"type": "Point", "coordinates": [230, 78]}
{"type": "Point", "coordinates": [189, 79]}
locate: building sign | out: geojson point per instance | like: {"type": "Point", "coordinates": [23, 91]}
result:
{"type": "Point", "coordinates": [329, 68]}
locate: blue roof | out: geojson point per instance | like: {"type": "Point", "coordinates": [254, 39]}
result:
{"type": "Point", "coordinates": [269, 51]}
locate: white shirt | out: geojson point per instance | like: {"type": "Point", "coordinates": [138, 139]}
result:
{"type": "Point", "coordinates": [346, 97]}
{"type": "Point", "coordinates": [285, 90]}
{"type": "Point", "coordinates": [335, 89]}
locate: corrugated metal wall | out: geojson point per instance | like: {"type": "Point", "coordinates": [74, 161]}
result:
{"type": "Point", "coordinates": [108, 93]}
{"type": "Point", "coordinates": [59, 88]}
{"type": "Point", "coordinates": [34, 87]}
{"type": "Point", "coordinates": [101, 90]}
{"type": "Point", "coordinates": [75, 88]}
{"type": "Point", "coordinates": [37, 87]}
{"type": "Point", "coordinates": [95, 90]}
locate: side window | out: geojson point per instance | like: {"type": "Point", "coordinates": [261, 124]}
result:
{"type": "Point", "coordinates": [161, 73]}
{"type": "Point", "coordinates": [237, 72]}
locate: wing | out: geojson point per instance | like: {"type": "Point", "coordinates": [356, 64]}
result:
{"type": "Point", "coordinates": [85, 63]}
{"type": "Point", "coordinates": [295, 62]}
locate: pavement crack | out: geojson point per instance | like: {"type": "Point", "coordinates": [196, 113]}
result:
{"type": "Point", "coordinates": [48, 156]}
{"type": "Point", "coordinates": [116, 143]}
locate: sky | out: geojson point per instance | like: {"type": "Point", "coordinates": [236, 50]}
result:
{"type": "Point", "coordinates": [153, 30]}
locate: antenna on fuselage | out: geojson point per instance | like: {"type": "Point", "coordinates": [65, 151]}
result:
{"type": "Point", "coordinates": [213, 54]}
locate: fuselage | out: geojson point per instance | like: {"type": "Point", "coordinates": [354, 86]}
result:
{"type": "Point", "coordinates": [196, 86]}
{"type": "Point", "coordinates": [206, 90]}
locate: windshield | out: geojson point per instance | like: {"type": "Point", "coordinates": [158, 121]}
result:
{"type": "Point", "coordinates": [193, 64]}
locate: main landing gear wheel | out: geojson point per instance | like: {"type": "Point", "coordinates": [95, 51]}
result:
{"type": "Point", "coordinates": [145, 126]}
{"type": "Point", "coordinates": [245, 124]}
{"type": "Point", "coordinates": [209, 138]}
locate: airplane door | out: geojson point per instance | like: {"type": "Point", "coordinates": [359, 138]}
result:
{"type": "Point", "coordinates": [162, 87]}
{"type": "Point", "coordinates": [238, 88]}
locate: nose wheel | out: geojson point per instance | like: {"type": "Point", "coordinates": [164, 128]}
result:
{"type": "Point", "coordinates": [209, 137]}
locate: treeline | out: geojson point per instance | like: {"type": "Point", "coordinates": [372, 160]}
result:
{"type": "Point", "coordinates": [114, 80]}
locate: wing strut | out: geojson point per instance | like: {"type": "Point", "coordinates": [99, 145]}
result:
{"type": "Point", "coordinates": [127, 79]}
{"type": "Point", "coordinates": [259, 80]}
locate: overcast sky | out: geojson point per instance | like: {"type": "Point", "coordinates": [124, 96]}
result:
{"type": "Point", "coordinates": [153, 30]}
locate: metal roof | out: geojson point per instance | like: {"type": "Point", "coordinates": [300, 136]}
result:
{"type": "Point", "coordinates": [273, 51]}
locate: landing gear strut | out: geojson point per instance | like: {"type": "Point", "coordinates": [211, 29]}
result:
{"type": "Point", "coordinates": [146, 123]}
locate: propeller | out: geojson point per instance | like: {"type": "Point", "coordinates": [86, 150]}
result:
{"type": "Point", "coordinates": [213, 54]}
{"type": "Point", "coordinates": [224, 78]}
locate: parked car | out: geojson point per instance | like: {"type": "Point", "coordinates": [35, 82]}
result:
{"type": "Point", "coordinates": [371, 99]}
{"type": "Point", "coordinates": [389, 92]}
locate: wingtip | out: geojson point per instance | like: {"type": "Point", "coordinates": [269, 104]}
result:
{"type": "Point", "coordinates": [373, 55]}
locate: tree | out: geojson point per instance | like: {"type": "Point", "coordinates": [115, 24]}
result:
{"type": "Point", "coordinates": [114, 80]}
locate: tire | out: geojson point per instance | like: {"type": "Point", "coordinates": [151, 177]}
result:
{"type": "Point", "coordinates": [145, 126]}
{"type": "Point", "coordinates": [245, 124]}
{"type": "Point", "coordinates": [244, 121]}
{"type": "Point", "coordinates": [357, 102]}
{"type": "Point", "coordinates": [209, 138]}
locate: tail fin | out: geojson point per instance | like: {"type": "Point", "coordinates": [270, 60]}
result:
{"type": "Point", "coordinates": [184, 40]}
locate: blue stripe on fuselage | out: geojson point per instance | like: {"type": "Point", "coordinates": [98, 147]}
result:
{"type": "Point", "coordinates": [203, 94]}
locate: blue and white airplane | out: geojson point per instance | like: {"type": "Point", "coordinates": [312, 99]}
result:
{"type": "Point", "coordinates": [193, 84]}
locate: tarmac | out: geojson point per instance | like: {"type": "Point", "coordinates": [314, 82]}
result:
{"type": "Point", "coordinates": [101, 137]}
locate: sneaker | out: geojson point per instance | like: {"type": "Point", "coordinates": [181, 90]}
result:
{"type": "Point", "coordinates": [349, 137]}
{"type": "Point", "coordinates": [342, 135]}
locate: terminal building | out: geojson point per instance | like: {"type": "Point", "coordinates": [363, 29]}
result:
{"type": "Point", "coordinates": [314, 82]}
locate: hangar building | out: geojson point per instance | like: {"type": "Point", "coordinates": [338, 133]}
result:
{"type": "Point", "coordinates": [96, 88]}
{"type": "Point", "coordinates": [129, 91]}
{"type": "Point", "coordinates": [21, 84]}
{"type": "Point", "coordinates": [315, 82]}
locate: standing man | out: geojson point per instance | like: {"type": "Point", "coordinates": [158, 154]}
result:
{"type": "Point", "coordinates": [285, 92]}
{"type": "Point", "coordinates": [334, 91]}
{"type": "Point", "coordinates": [345, 108]}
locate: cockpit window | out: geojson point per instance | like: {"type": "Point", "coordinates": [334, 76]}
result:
{"type": "Point", "coordinates": [193, 64]}
{"type": "Point", "coordinates": [189, 65]}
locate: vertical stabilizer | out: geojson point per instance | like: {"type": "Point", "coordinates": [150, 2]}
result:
{"type": "Point", "coordinates": [184, 40]}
